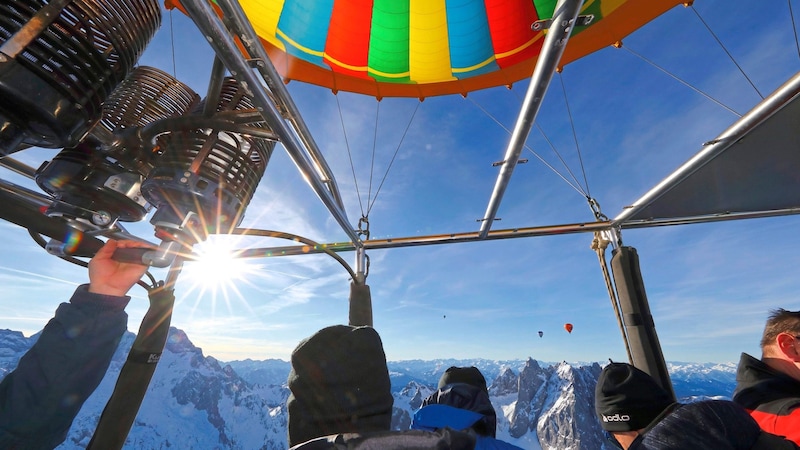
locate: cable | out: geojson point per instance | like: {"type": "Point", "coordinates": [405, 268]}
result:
{"type": "Point", "coordinates": [172, 44]}
{"type": "Point", "coordinates": [683, 82]}
{"type": "Point", "coordinates": [349, 154]}
{"type": "Point", "coordinates": [727, 52]}
{"type": "Point", "coordinates": [599, 245]}
{"type": "Point", "coordinates": [372, 163]}
{"type": "Point", "coordinates": [794, 27]}
{"type": "Point", "coordinates": [553, 147]}
{"type": "Point", "coordinates": [396, 150]}
{"type": "Point", "coordinates": [574, 136]}
{"type": "Point", "coordinates": [542, 160]}
{"type": "Point", "coordinates": [370, 198]}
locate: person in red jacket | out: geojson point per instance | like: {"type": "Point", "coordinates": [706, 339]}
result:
{"type": "Point", "coordinates": [769, 388]}
{"type": "Point", "coordinates": [42, 396]}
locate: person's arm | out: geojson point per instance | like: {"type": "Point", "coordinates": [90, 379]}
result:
{"type": "Point", "coordinates": [42, 396]}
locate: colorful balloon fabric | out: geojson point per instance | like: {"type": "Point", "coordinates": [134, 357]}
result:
{"type": "Point", "coordinates": [423, 48]}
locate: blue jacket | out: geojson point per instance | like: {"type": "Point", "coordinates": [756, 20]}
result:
{"type": "Point", "coordinates": [437, 416]}
{"type": "Point", "coordinates": [42, 396]}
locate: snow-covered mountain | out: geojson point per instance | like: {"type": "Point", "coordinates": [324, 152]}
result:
{"type": "Point", "coordinates": [196, 402]}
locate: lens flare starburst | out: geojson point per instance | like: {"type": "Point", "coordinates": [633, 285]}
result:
{"type": "Point", "coordinates": [218, 272]}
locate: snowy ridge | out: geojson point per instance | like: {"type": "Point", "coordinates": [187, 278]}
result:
{"type": "Point", "coordinates": [12, 346]}
{"type": "Point", "coordinates": [196, 402]}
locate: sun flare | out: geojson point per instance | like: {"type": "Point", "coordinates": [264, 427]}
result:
{"type": "Point", "coordinates": [217, 267]}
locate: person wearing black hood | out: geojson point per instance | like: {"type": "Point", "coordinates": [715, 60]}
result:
{"type": "Point", "coordinates": [639, 414]}
{"type": "Point", "coordinates": [462, 402]}
{"type": "Point", "coordinates": [341, 396]}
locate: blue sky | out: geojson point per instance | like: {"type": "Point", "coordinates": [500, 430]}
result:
{"type": "Point", "coordinates": [710, 286]}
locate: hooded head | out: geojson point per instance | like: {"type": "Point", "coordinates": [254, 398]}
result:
{"type": "Point", "coordinates": [627, 399]}
{"type": "Point", "coordinates": [339, 383]}
{"type": "Point", "coordinates": [469, 375]}
{"type": "Point", "coordinates": [465, 388]}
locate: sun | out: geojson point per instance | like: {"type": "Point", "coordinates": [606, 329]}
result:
{"type": "Point", "coordinates": [216, 267]}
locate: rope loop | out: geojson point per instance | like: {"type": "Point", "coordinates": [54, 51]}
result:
{"type": "Point", "coordinates": [599, 244]}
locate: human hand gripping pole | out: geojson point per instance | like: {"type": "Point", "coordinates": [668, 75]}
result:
{"type": "Point", "coordinates": [111, 275]}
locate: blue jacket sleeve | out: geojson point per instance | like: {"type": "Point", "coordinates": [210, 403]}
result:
{"type": "Point", "coordinates": [42, 396]}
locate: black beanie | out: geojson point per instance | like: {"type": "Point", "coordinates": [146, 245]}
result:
{"type": "Point", "coordinates": [468, 375]}
{"type": "Point", "coordinates": [339, 383]}
{"type": "Point", "coordinates": [627, 399]}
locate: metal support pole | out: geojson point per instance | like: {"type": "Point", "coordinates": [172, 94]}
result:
{"type": "Point", "coordinates": [563, 22]}
{"type": "Point", "coordinates": [361, 265]}
{"type": "Point", "coordinates": [224, 45]}
{"type": "Point", "coordinates": [240, 24]}
{"type": "Point", "coordinates": [214, 87]}
{"type": "Point", "coordinates": [755, 117]}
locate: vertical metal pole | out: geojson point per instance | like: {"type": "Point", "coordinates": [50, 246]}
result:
{"type": "Point", "coordinates": [251, 41]}
{"type": "Point", "coordinates": [224, 45]}
{"type": "Point", "coordinates": [214, 87]}
{"type": "Point", "coordinates": [645, 348]}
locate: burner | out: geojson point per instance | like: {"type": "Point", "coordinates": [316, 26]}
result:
{"type": "Point", "coordinates": [56, 72]}
{"type": "Point", "coordinates": [211, 173]}
{"type": "Point", "coordinates": [99, 186]}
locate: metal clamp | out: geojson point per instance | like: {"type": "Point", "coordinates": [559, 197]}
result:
{"type": "Point", "coordinates": [580, 21]}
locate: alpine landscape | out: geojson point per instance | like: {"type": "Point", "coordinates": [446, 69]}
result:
{"type": "Point", "coordinates": [197, 402]}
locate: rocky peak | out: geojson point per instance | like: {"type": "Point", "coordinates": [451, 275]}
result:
{"type": "Point", "coordinates": [506, 383]}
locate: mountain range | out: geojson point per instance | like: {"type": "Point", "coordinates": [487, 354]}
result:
{"type": "Point", "coordinates": [197, 402]}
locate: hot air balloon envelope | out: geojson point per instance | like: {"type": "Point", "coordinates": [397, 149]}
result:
{"type": "Point", "coordinates": [402, 48]}
{"type": "Point", "coordinates": [541, 333]}
{"type": "Point", "coordinates": [568, 327]}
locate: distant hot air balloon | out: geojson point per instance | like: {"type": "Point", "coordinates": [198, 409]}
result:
{"type": "Point", "coordinates": [568, 327]}
{"type": "Point", "coordinates": [541, 333]}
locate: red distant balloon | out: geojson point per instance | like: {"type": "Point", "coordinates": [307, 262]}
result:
{"type": "Point", "coordinates": [568, 327]}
